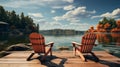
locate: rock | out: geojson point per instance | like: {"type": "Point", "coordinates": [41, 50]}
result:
{"type": "Point", "coordinates": [4, 53]}
{"type": "Point", "coordinates": [63, 48]}
{"type": "Point", "coordinates": [18, 47]}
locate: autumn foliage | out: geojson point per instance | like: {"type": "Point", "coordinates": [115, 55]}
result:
{"type": "Point", "coordinates": [108, 25]}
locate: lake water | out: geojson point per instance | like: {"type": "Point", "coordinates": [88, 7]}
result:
{"type": "Point", "coordinates": [63, 41]}
{"type": "Point", "coordinates": [105, 41]}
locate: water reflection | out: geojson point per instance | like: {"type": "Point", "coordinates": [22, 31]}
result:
{"type": "Point", "coordinates": [108, 38]}
{"type": "Point", "coordinates": [110, 42]}
{"type": "Point", "coordinates": [116, 38]}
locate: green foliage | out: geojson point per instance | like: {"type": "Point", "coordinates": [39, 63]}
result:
{"type": "Point", "coordinates": [3, 15]}
{"type": "Point", "coordinates": [19, 22]}
{"type": "Point", "coordinates": [111, 21]}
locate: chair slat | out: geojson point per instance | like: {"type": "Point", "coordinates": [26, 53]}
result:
{"type": "Point", "coordinates": [38, 42]}
{"type": "Point", "coordinates": [88, 41]}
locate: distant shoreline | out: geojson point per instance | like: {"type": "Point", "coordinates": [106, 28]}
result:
{"type": "Point", "coordinates": [61, 32]}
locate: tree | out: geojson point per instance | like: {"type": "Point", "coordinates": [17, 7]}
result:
{"type": "Point", "coordinates": [22, 20]}
{"type": "Point", "coordinates": [19, 22]}
{"type": "Point", "coordinates": [3, 15]}
{"type": "Point", "coordinates": [108, 23]}
{"type": "Point", "coordinates": [113, 23]}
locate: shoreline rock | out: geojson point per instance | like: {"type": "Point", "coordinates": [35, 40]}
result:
{"type": "Point", "coordinates": [18, 47]}
{"type": "Point", "coordinates": [63, 48]}
{"type": "Point", "coordinates": [4, 53]}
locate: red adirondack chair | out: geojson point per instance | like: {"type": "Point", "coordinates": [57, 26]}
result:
{"type": "Point", "coordinates": [38, 44]}
{"type": "Point", "coordinates": [88, 41]}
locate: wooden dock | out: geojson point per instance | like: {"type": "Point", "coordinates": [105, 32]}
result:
{"type": "Point", "coordinates": [59, 59]}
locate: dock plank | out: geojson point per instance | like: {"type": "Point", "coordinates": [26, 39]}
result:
{"type": "Point", "coordinates": [59, 59]}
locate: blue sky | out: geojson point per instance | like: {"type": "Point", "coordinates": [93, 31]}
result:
{"type": "Point", "coordinates": [65, 14]}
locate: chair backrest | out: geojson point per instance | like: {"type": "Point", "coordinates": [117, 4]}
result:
{"type": "Point", "coordinates": [38, 42]}
{"type": "Point", "coordinates": [88, 41]}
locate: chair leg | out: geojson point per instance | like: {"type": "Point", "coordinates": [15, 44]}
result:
{"type": "Point", "coordinates": [96, 58]}
{"type": "Point", "coordinates": [75, 51]}
{"type": "Point", "coordinates": [51, 52]}
{"type": "Point", "coordinates": [81, 55]}
{"type": "Point", "coordinates": [30, 56]}
{"type": "Point", "coordinates": [46, 54]}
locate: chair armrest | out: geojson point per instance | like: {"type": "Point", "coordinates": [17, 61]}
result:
{"type": "Point", "coordinates": [50, 44]}
{"type": "Point", "coordinates": [76, 44]}
{"type": "Point", "coordinates": [95, 44]}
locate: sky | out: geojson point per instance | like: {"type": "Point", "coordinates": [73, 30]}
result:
{"type": "Point", "coordinates": [65, 14]}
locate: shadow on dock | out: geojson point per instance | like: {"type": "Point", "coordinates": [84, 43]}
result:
{"type": "Point", "coordinates": [59, 59]}
{"type": "Point", "coordinates": [48, 61]}
{"type": "Point", "coordinates": [109, 63]}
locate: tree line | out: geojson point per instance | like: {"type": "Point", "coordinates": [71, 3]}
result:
{"type": "Point", "coordinates": [108, 23]}
{"type": "Point", "coordinates": [20, 22]}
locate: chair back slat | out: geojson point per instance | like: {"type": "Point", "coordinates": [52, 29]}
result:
{"type": "Point", "coordinates": [38, 42]}
{"type": "Point", "coordinates": [88, 41]}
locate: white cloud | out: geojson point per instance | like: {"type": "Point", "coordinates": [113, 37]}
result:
{"type": "Point", "coordinates": [79, 10]}
{"type": "Point", "coordinates": [80, 26]}
{"type": "Point", "coordinates": [74, 20]}
{"type": "Point", "coordinates": [57, 7]}
{"type": "Point", "coordinates": [69, 7]}
{"type": "Point", "coordinates": [70, 1]}
{"type": "Point", "coordinates": [116, 11]}
{"type": "Point", "coordinates": [53, 11]}
{"type": "Point", "coordinates": [17, 4]}
{"type": "Point", "coordinates": [106, 15]}
{"type": "Point", "coordinates": [46, 25]}
{"type": "Point", "coordinates": [37, 15]}
{"type": "Point", "coordinates": [57, 18]}
{"type": "Point", "coordinates": [39, 20]}
{"type": "Point", "coordinates": [114, 14]}
{"type": "Point", "coordinates": [49, 25]}
{"type": "Point", "coordinates": [57, 25]}
{"type": "Point", "coordinates": [31, 3]}
{"type": "Point", "coordinates": [75, 14]}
